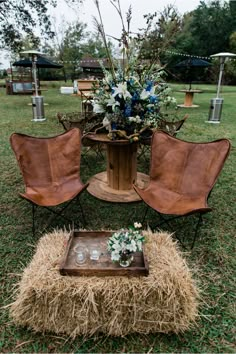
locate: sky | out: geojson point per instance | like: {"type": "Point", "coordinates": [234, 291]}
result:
{"type": "Point", "coordinates": [110, 17]}
{"type": "Point", "coordinates": [111, 20]}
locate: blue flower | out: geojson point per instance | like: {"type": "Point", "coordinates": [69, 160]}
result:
{"type": "Point", "coordinates": [153, 99]}
{"type": "Point", "coordinates": [113, 125]}
{"type": "Point", "coordinates": [127, 111]}
{"type": "Point", "coordinates": [149, 85]}
{"type": "Point", "coordinates": [135, 96]}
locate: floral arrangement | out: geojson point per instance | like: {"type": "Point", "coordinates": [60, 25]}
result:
{"type": "Point", "coordinates": [133, 91]}
{"type": "Point", "coordinates": [125, 242]}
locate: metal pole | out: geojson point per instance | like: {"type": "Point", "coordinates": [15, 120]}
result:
{"type": "Point", "coordinates": [222, 63]}
{"type": "Point", "coordinates": [34, 68]}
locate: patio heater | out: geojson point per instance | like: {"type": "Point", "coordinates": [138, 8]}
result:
{"type": "Point", "coordinates": [37, 101]}
{"type": "Point", "coordinates": [217, 103]}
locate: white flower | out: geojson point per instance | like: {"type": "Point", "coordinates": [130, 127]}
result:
{"type": "Point", "coordinates": [132, 246]}
{"type": "Point", "coordinates": [97, 108]}
{"type": "Point", "coordinates": [136, 119]}
{"type": "Point", "coordinates": [137, 225]}
{"type": "Point", "coordinates": [116, 246]}
{"type": "Point", "coordinates": [106, 123]}
{"type": "Point", "coordinates": [139, 245]}
{"type": "Point", "coordinates": [112, 102]}
{"type": "Point", "coordinates": [145, 94]}
{"type": "Point", "coordinates": [131, 119]}
{"type": "Point", "coordinates": [121, 89]}
{"type": "Point", "coordinates": [125, 241]}
{"type": "Point", "coordinates": [115, 256]}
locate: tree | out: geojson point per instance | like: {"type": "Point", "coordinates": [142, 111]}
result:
{"type": "Point", "coordinates": [20, 17]}
{"type": "Point", "coordinates": [210, 27]}
{"type": "Point", "coordinates": [71, 43]}
{"type": "Point", "coordinates": [94, 47]}
{"type": "Point", "coordinates": [67, 45]}
{"type": "Point", "coordinates": [232, 42]}
{"type": "Point", "coordinates": [160, 33]}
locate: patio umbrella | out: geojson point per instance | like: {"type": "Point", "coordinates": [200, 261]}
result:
{"type": "Point", "coordinates": [41, 63]}
{"type": "Point", "coordinates": [192, 63]}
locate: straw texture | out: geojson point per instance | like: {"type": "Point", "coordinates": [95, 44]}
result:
{"type": "Point", "coordinates": [165, 301]}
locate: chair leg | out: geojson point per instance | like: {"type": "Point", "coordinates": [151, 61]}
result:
{"type": "Point", "coordinates": [84, 159]}
{"type": "Point", "coordinates": [145, 214]}
{"type": "Point", "coordinates": [167, 221]}
{"type": "Point", "coordinates": [57, 213]}
{"type": "Point", "coordinates": [33, 219]}
{"type": "Point", "coordinates": [82, 212]}
{"type": "Point", "coordinates": [196, 230]}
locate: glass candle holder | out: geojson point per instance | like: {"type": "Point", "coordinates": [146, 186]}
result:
{"type": "Point", "coordinates": [94, 252]}
{"type": "Point", "coordinates": [80, 254]}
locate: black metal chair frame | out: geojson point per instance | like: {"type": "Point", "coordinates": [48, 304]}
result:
{"type": "Point", "coordinates": [167, 221]}
{"type": "Point", "coordinates": [57, 213]}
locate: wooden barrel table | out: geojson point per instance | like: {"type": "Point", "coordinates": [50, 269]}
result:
{"type": "Point", "coordinates": [116, 183]}
{"type": "Point", "coordinates": [188, 100]}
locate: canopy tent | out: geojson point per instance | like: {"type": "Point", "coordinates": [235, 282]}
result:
{"type": "Point", "coordinates": [41, 63]}
{"type": "Point", "coordinates": [22, 79]}
{"type": "Point", "coordinates": [192, 63]}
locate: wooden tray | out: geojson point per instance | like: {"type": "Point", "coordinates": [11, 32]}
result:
{"type": "Point", "coordinates": [104, 266]}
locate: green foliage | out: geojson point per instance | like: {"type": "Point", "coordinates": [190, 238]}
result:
{"type": "Point", "coordinates": [207, 29]}
{"type": "Point", "coordinates": [19, 18]}
{"type": "Point", "coordinates": [211, 27]}
{"type": "Point", "coordinates": [26, 15]}
{"type": "Point", "coordinates": [72, 43]}
{"type": "Point", "coordinates": [70, 51]}
{"type": "Point", "coordinates": [66, 47]}
{"type": "Point", "coordinates": [94, 47]}
{"type": "Point", "coordinates": [159, 33]}
{"type": "Point", "coordinates": [232, 42]}
{"type": "Point", "coordinates": [212, 260]}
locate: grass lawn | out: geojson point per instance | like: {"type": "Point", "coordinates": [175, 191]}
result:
{"type": "Point", "coordinates": [212, 259]}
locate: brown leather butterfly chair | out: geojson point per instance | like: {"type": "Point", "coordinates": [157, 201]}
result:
{"type": "Point", "coordinates": [79, 120]}
{"type": "Point", "coordinates": [170, 127]}
{"type": "Point", "coordinates": [182, 175]}
{"type": "Point", "coordinates": [50, 168]}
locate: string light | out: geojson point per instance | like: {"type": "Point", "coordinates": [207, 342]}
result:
{"type": "Point", "coordinates": [186, 55]}
{"type": "Point", "coordinates": [167, 51]}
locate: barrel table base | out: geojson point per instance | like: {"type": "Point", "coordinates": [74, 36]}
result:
{"type": "Point", "coordinates": [188, 100]}
{"type": "Point", "coordinates": [98, 187]}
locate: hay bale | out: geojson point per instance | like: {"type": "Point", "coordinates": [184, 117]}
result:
{"type": "Point", "coordinates": [165, 301]}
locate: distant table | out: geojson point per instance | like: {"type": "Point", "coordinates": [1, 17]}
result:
{"type": "Point", "coordinates": [87, 99]}
{"type": "Point", "coordinates": [116, 183]}
{"type": "Point", "coordinates": [188, 100]}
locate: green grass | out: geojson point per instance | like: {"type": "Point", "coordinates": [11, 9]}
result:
{"type": "Point", "coordinates": [212, 259]}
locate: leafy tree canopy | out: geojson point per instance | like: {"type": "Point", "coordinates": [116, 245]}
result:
{"type": "Point", "coordinates": [207, 29]}
{"type": "Point", "coordinates": [20, 17]}
{"type": "Point", "coordinates": [160, 31]}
